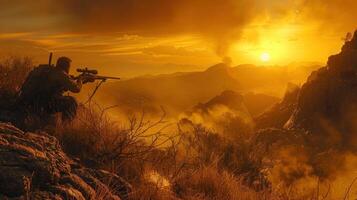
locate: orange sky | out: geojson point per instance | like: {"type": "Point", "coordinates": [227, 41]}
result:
{"type": "Point", "coordinates": [135, 37]}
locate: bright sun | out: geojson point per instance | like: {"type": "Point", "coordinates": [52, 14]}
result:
{"type": "Point", "coordinates": [265, 57]}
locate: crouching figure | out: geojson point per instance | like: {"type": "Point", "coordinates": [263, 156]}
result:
{"type": "Point", "coordinates": [42, 93]}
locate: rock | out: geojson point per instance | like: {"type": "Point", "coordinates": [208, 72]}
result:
{"type": "Point", "coordinates": [33, 165]}
{"type": "Point", "coordinates": [67, 192]}
{"type": "Point", "coordinates": [76, 182]}
{"type": "Point", "coordinates": [117, 184]}
{"type": "Point", "coordinates": [35, 156]}
{"type": "Point", "coordinates": [45, 195]}
{"type": "Point", "coordinates": [104, 191]}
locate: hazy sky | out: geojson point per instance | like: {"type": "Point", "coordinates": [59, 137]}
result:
{"type": "Point", "coordinates": [132, 37]}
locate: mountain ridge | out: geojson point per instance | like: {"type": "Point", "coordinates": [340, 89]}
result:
{"type": "Point", "coordinates": [180, 91]}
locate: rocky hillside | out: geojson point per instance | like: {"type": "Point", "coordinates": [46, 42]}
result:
{"type": "Point", "coordinates": [325, 108]}
{"type": "Point", "coordinates": [316, 125]}
{"type": "Point", "coordinates": [33, 166]}
{"type": "Point", "coordinates": [327, 103]}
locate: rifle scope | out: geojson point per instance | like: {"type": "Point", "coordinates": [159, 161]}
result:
{"type": "Point", "coordinates": [86, 70]}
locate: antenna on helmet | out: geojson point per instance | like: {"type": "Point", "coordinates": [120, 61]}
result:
{"type": "Point", "coordinates": [50, 60]}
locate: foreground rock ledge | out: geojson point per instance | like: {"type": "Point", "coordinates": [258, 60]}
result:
{"type": "Point", "coordinates": [33, 166]}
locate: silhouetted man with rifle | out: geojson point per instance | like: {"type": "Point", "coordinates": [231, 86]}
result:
{"type": "Point", "coordinates": [42, 93]}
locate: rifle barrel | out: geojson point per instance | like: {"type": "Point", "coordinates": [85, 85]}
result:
{"type": "Point", "coordinates": [107, 77]}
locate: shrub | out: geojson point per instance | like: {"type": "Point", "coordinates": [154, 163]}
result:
{"type": "Point", "coordinates": [239, 157]}
{"type": "Point", "coordinates": [100, 142]}
{"type": "Point", "coordinates": [210, 183]}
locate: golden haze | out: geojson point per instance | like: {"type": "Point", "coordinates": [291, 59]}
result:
{"type": "Point", "coordinates": [131, 38]}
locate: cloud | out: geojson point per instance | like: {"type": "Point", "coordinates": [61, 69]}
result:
{"type": "Point", "coordinates": [332, 14]}
{"type": "Point", "coordinates": [218, 21]}
{"type": "Point", "coordinates": [167, 50]}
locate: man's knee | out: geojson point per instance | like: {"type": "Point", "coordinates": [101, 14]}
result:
{"type": "Point", "coordinates": [70, 102]}
{"type": "Point", "coordinates": [68, 108]}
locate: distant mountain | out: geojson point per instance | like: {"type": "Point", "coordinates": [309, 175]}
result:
{"type": "Point", "coordinates": [179, 92]}
{"type": "Point", "coordinates": [175, 92]}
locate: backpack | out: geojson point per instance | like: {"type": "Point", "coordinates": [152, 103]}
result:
{"type": "Point", "coordinates": [35, 82]}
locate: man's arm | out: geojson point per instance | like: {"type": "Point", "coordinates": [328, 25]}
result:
{"type": "Point", "coordinates": [74, 86]}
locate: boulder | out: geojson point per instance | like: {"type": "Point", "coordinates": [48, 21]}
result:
{"type": "Point", "coordinates": [33, 165]}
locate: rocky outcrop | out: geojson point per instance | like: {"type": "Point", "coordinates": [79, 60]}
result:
{"type": "Point", "coordinates": [33, 166]}
{"type": "Point", "coordinates": [315, 125]}
{"type": "Point", "coordinates": [327, 103]}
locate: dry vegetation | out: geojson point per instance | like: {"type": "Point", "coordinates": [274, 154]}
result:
{"type": "Point", "coordinates": [13, 71]}
{"type": "Point", "coordinates": [194, 163]}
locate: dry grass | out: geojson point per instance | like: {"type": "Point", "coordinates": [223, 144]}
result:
{"type": "Point", "coordinates": [201, 165]}
{"type": "Point", "coordinates": [148, 191]}
{"type": "Point", "coordinates": [210, 183]}
{"type": "Point", "coordinates": [13, 72]}
{"type": "Point", "coordinates": [99, 142]}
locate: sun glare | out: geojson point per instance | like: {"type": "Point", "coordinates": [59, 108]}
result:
{"type": "Point", "coordinates": [265, 57]}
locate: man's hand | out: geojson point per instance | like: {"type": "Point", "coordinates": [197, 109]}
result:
{"type": "Point", "coordinates": [84, 78]}
{"type": "Point", "coordinates": [88, 79]}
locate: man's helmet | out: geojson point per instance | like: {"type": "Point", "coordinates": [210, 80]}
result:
{"type": "Point", "coordinates": [64, 63]}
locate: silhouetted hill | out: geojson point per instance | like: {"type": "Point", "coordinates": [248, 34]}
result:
{"type": "Point", "coordinates": [227, 98]}
{"type": "Point", "coordinates": [250, 103]}
{"type": "Point", "coordinates": [225, 113]}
